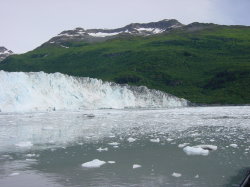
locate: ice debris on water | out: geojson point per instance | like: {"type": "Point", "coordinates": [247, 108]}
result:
{"type": "Point", "coordinates": [208, 147]}
{"type": "Point", "coordinates": [96, 163]}
{"type": "Point", "coordinates": [111, 162]}
{"type": "Point", "coordinates": [24, 144]}
{"type": "Point", "coordinates": [136, 166]}
{"type": "Point", "coordinates": [234, 145]}
{"type": "Point", "coordinates": [199, 149]}
{"type": "Point", "coordinates": [176, 174]}
{"type": "Point", "coordinates": [182, 145]}
{"type": "Point", "coordinates": [102, 149]}
{"type": "Point", "coordinates": [196, 176]}
{"type": "Point", "coordinates": [114, 143]}
{"type": "Point", "coordinates": [130, 140]}
{"type": "Point", "coordinates": [195, 151]}
{"type": "Point", "coordinates": [14, 174]}
{"type": "Point", "coordinates": [170, 139]}
{"type": "Point", "coordinates": [157, 140]}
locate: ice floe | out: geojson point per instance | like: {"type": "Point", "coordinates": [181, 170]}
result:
{"type": "Point", "coordinates": [96, 163]}
{"type": "Point", "coordinates": [182, 145]}
{"type": "Point", "coordinates": [24, 144]}
{"type": "Point", "coordinates": [136, 166]}
{"type": "Point", "coordinates": [195, 151]}
{"type": "Point", "coordinates": [176, 174]}
{"type": "Point", "coordinates": [199, 149]}
{"type": "Point", "coordinates": [157, 140]}
{"type": "Point", "coordinates": [233, 145]}
{"type": "Point", "coordinates": [102, 149]}
{"type": "Point", "coordinates": [14, 174]}
{"type": "Point", "coordinates": [131, 140]}
{"type": "Point", "coordinates": [170, 139]}
{"type": "Point", "coordinates": [114, 143]}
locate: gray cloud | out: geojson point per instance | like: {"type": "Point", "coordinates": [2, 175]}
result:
{"type": "Point", "coordinates": [26, 24]}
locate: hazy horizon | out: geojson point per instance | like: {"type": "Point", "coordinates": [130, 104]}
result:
{"type": "Point", "coordinates": [29, 23]}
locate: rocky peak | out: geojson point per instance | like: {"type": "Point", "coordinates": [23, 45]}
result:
{"type": "Point", "coordinates": [4, 53]}
{"type": "Point", "coordinates": [98, 35]}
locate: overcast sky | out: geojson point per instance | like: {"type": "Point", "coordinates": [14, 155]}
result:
{"type": "Point", "coordinates": [26, 24]}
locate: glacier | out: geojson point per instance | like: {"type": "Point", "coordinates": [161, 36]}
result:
{"type": "Point", "coordinates": [39, 91]}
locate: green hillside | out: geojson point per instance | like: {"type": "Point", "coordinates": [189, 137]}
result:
{"type": "Point", "coordinates": [210, 65]}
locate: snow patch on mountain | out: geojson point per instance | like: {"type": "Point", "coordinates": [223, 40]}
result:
{"type": "Point", "coordinates": [4, 53]}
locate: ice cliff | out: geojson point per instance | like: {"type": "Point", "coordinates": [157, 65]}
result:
{"type": "Point", "coordinates": [39, 91]}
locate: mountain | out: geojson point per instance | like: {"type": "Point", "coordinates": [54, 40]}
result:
{"type": "Point", "coordinates": [100, 35]}
{"type": "Point", "coordinates": [203, 63]}
{"type": "Point", "coordinates": [4, 53]}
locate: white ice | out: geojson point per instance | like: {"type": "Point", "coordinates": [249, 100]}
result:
{"type": "Point", "coordinates": [102, 149]}
{"type": "Point", "coordinates": [234, 145]}
{"type": "Point", "coordinates": [195, 151]}
{"type": "Point", "coordinates": [130, 139]}
{"type": "Point", "coordinates": [14, 174]}
{"type": "Point", "coordinates": [176, 174]}
{"type": "Point", "coordinates": [114, 143]}
{"type": "Point", "coordinates": [182, 145]}
{"type": "Point", "coordinates": [136, 166]}
{"type": "Point", "coordinates": [157, 140]}
{"type": "Point", "coordinates": [24, 144]}
{"type": "Point", "coordinates": [24, 92]}
{"type": "Point", "coordinates": [207, 147]}
{"type": "Point", "coordinates": [93, 164]}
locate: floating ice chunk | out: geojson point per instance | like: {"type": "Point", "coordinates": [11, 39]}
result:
{"type": "Point", "coordinates": [195, 151]}
{"type": "Point", "coordinates": [115, 146]}
{"type": "Point", "coordinates": [14, 174]}
{"type": "Point", "coordinates": [30, 159]}
{"type": "Point", "coordinates": [93, 164]}
{"type": "Point", "coordinates": [111, 162]}
{"type": "Point", "coordinates": [208, 147]}
{"type": "Point", "coordinates": [234, 145]}
{"type": "Point", "coordinates": [157, 140]}
{"type": "Point", "coordinates": [170, 139]}
{"type": "Point", "coordinates": [136, 166]}
{"type": "Point", "coordinates": [114, 143]}
{"type": "Point", "coordinates": [183, 145]}
{"type": "Point", "coordinates": [196, 176]}
{"type": "Point", "coordinates": [176, 174]}
{"type": "Point", "coordinates": [31, 155]}
{"type": "Point", "coordinates": [131, 140]}
{"type": "Point", "coordinates": [102, 149]}
{"type": "Point", "coordinates": [6, 156]}
{"type": "Point", "coordinates": [24, 144]}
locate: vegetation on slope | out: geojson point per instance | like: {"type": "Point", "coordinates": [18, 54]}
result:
{"type": "Point", "coordinates": [209, 65]}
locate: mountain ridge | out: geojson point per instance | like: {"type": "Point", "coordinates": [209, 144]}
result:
{"type": "Point", "coordinates": [4, 53]}
{"type": "Point", "coordinates": [203, 63]}
{"type": "Point", "coordinates": [100, 35]}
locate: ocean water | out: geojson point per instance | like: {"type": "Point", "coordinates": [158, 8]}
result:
{"type": "Point", "coordinates": [146, 147]}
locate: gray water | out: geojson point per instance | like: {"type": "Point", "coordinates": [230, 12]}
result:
{"type": "Point", "coordinates": [48, 149]}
